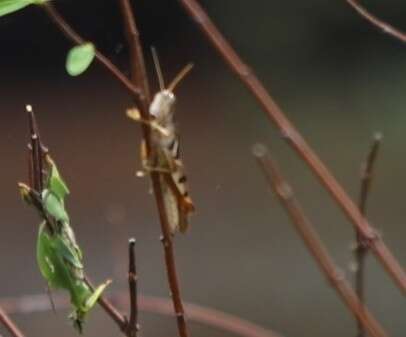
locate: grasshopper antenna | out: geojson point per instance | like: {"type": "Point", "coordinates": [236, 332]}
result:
{"type": "Point", "coordinates": [180, 76]}
{"type": "Point", "coordinates": [158, 68]}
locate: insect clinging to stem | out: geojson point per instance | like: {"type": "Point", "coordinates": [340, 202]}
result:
{"type": "Point", "coordinates": [165, 152]}
{"type": "Point", "coordinates": [59, 257]}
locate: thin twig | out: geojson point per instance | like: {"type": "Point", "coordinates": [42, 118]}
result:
{"type": "Point", "coordinates": [132, 285]}
{"type": "Point", "coordinates": [140, 80]}
{"type": "Point", "coordinates": [297, 142]}
{"type": "Point", "coordinates": [10, 325]}
{"type": "Point", "coordinates": [368, 172]}
{"type": "Point", "coordinates": [375, 21]}
{"type": "Point", "coordinates": [29, 304]}
{"type": "Point", "coordinates": [313, 242]}
{"type": "Point", "coordinates": [137, 63]}
{"type": "Point", "coordinates": [68, 31]}
{"type": "Point", "coordinates": [361, 248]}
{"type": "Point", "coordinates": [36, 153]}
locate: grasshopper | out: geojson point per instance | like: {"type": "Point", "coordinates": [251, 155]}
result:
{"type": "Point", "coordinates": [59, 257]}
{"type": "Point", "coordinates": [165, 148]}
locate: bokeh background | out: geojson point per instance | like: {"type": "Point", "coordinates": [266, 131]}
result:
{"type": "Point", "coordinates": [337, 78]}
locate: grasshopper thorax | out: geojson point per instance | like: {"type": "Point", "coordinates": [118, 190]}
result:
{"type": "Point", "coordinates": [162, 105]}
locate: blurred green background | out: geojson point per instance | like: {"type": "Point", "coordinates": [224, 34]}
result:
{"type": "Point", "coordinates": [338, 79]}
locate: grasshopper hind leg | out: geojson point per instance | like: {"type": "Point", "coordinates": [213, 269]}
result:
{"type": "Point", "coordinates": [146, 164]}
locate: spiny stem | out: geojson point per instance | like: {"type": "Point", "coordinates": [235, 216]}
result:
{"type": "Point", "coordinates": [132, 285]}
{"type": "Point", "coordinates": [10, 325]}
{"type": "Point", "coordinates": [313, 243]}
{"type": "Point", "coordinates": [380, 24]}
{"type": "Point", "coordinates": [139, 77]}
{"type": "Point", "coordinates": [362, 248]}
{"type": "Point", "coordinates": [296, 141]}
{"type": "Point", "coordinates": [68, 31]}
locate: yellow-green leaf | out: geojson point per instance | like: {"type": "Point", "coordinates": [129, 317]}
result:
{"type": "Point", "coordinates": [79, 58]}
{"type": "Point", "coordinates": [10, 6]}
{"type": "Point", "coordinates": [91, 301]}
{"type": "Point", "coordinates": [54, 206]}
{"type": "Point", "coordinates": [55, 182]}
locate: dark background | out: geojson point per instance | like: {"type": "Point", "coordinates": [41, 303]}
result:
{"type": "Point", "coordinates": [336, 77]}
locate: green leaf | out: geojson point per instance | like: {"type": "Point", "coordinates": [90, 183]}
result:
{"type": "Point", "coordinates": [55, 183]}
{"type": "Point", "coordinates": [79, 58]}
{"type": "Point", "coordinates": [91, 301]}
{"type": "Point", "coordinates": [10, 6]}
{"type": "Point", "coordinates": [54, 206]}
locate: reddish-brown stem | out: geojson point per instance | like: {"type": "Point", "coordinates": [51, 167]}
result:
{"type": "Point", "coordinates": [313, 242]}
{"type": "Point", "coordinates": [361, 248]}
{"type": "Point", "coordinates": [10, 325]}
{"type": "Point", "coordinates": [30, 165]}
{"type": "Point", "coordinates": [68, 31]}
{"type": "Point", "coordinates": [137, 64]}
{"type": "Point", "coordinates": [203, 315]}
{"type": "Point", "coordinates": [132, 285]}
{"type": "Point", "coordinates": [36, 151]}
{"type": "Point", "coordinates": [140, 80]}
{"type": "Point", "coordinates": [115, 315]}
{"type": "Point", "coordinates": [294, 138]}
{"type": "Point", "coordinates": [380, 24]}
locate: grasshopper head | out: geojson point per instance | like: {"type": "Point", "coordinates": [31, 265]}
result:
{"type": "Point", "coordinates": [162, 105]}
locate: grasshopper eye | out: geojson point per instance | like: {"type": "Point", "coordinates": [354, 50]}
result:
{"type": "Point", "coordinates": [169, 95]}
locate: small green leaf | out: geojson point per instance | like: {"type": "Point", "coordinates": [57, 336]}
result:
{"type": "Point", "coordinates": [54, 206]}
{"type": "Point", "coordinates": [79, 58]}
{"type": "Point", "coordinates": [55, 183]}
{"type": "Point", "coordinates": [91, 301]}
{"type": "Point", "coordinates": [10, 6]}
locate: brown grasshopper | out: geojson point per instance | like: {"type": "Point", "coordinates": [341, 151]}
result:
{"type": "Point", "coordinates": [165, 146]}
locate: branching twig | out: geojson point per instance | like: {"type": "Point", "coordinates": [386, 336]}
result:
{"type": "Point", "coordinates": [156, 305]}
{"type": "Point", "coordinates": [68, 31]}
{"type": "Point", "coordinates": [132, 284]}
{"type": "Point", "coordinates": [37, 153]}
{"type": "Point", "coordinates": [313, 242]}
{"type": "Point", "coordinates": [138, 69]}
{"type": "Point", "coordinates": [362, 248]}
{"type": "Point", "coordinates": [380, 24]}
{"type": "Point", "coordinates": [295, 139]}
{"type": "Point", "coordinates": [10, 325]}
{"type": "Point", "coordinates": [139, 89]}
{"type": "Point", "coordinates": [140, 80]}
